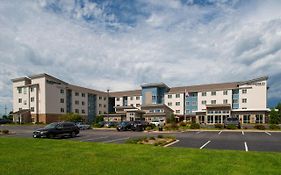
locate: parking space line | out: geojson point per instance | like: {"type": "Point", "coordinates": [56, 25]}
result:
{"type": "Point", "coordinates": [109, 141]}
{"type": "Point", "coordinates": [246, 146]}
{"type": "Point", "coordinates": [176, 141]}
{"type": "Point", "coordinates": [219, 132]}
{"type": "Point", "coordinates": [205, 144]}
{"type": "Point", "coordinates": [243, 133]}
{"type": "Point", "coordinates": [93, 139]}
{"type": "Point", "coordinates": [268, 133]}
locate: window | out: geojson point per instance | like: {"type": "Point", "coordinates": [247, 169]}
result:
{"type": "Point", "coordinates": [210, 119]}
{"type": "Point", "coordinates": [31, 89]}
{"type": "Point", "coordinates": [213, 93]}
{"type": "Point", "coordinates": [77, 111]}
{"type": "Point", "coordinates": [213, 102]}
{"type": "Point", "coordinates": [131, 98]}
{"type": "Point", "coordinates": [83, 94]}
{"type": "Point", "coordinates": [225, 101]}
{"type": "Point", "coordinates": [100, 98]}
{"type": "Point", "coordinates": [20, 100]}
{"type": "Point", "coordinates": [99, 112]}
{"type": "Point", "coordinates": [83, 103]}
{"type": "Point", "coordinates": [177, 95]}
{"type": "Point", "coordinates": [24, 90]}
{"type": "Point", "coordinates": [137, 98]}
{"type": "Point", "coordinates": [117, 99]}
{"type": "Point", "coordinates": [187, 103]}
{"type": "Point", "coordinates": [105, 105]}
{"type": "Point", "coordinates": [19, 90]}
{"type": "Point", "coordinates": [76, 102]}
{"type": "Point", "coordinates": [83, 111]}
{"type": "Point", "coordinates": [32, 109]}
{"type": "Point", "coordinates": [177, 111]}
{"type": "Point", "coordinates": [244, 91]}
{"type": "Point", "coordinates": [76, 93]}
{"type": "Point", "coordinates": [62, 91]}
{"type": "Point", "coordinates": [193, 103]}
{"type": "Point", "coordinates": [61, 109]}
{"type": "Point", "coordinates": [61, 100]}
{"type": "Point", "coordinates": [178, 103]}
{"type": "Point", "coordinates": [104, 98]}
{"type": "Point", "coordinates": [244, 100]}
{"type": "Point", "coordinates": [204, 93]}
{"type": "Point", "coordinates": [100, 105]}
{"type": "Point", "coordinates": [20, 109]}
{"type": "Point", "coordinates": [138, 105]}
{"type": "Point", "coordinates": [24, 102]}
{"type": "Point", "coordinates": [235, 100]}
{"type": "Point", "coordinates": [246, 118]}
{"type": "Point", "coordinates": [170, 104]}
{"type": "Point", "coordinates": [32, 99]}
{"type": "Point", "coordinates": [259, 118]}
{"type": "Point", "coordinates": [204, 102]}
{"type": "Point", "coordinates": [225, 92]}
{"type": "Point", "coordinates": [170, 96]}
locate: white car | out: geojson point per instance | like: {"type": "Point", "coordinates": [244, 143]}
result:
{"type": "Point", "coordinates": [83, 126]}
{"type": "Point", "coordinates": [158, 122]}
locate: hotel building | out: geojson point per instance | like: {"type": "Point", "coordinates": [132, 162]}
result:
{"type": "Point", "coordinates": [44, 98]}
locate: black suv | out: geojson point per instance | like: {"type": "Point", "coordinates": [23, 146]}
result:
{"type": "Point", "coordinates": [131, 125]}
{"type": "Point", "coordinates": [57, 129]}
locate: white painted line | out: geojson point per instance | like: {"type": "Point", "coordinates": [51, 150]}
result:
{"type": "Point", "coordinates": [176, 141]}
{"type": "Point", "coordinates": [243, 133]}
{"type": "Point", "coordinates": [268, 133]}
{"type": "Point", "coordinates": [109, 141]}
{"type": "Point", "coordinates": [246, 146]}
{"type": "Point", "coordinates": [219, 132]}
{"type": "Point", "coordinates": [205, 144]}
{"type": "Point", "coordinates": [198, 132]}
{"type": "Point", "coordinates": [93, 139]}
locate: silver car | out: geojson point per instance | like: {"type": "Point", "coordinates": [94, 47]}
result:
{"type": "Point", "coordinates": [232, 121]}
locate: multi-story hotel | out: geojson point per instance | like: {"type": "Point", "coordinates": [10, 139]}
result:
{"type": "Point", "coordinates": [45, 98]}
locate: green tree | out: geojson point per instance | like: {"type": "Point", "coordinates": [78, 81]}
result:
{"type": "Point", "coordinates": [71, 117]}
{"type": "Point", "coordinates": [274, 117]}
{"type": "Point", "coordinates": [98, 119]}
{"type": "Point", "coordinates": [171, 119]}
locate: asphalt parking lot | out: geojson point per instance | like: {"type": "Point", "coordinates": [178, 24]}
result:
{"type": "Point", "coordinates": [226, 140]}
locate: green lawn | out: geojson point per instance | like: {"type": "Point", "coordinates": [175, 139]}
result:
{"type": "Point", "coordinates": [43, 156]}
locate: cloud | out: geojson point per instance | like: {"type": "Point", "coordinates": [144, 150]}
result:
{"type": "Point", "coordinates": [116, 45]}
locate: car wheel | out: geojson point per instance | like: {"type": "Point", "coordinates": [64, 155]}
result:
{"type": "Point", "coordinates": [72, 134]}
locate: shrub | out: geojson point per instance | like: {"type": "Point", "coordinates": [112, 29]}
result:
{"type": "Point", "coordinates": [148, 128]}
{"type": "Point", "coordinates": [182, 123]}
{"type": "Point", "coordinates": [152, 138]}
{"type": "Point", "coordinates": [260, 127]}
{"type": "Point", "coordinates": [194, 126]}
{"type": "Point", "coordinates": [5, 131]}
{"type": "Point", "coordinates": [231, 126]}
{"type": "Point", "coordinates": [96, 125]}
{"type": "Point", "coordinates": [171, 126]}
{"type": "Point", "coordinates": [160, 136]}
{"type": "Point", "coordinates": [274, 127]}
{"type": "Point", "coordinates": [219, 126]}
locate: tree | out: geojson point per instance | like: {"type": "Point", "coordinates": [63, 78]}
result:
{"type": "Point", "coordinates": [71, 117]}
{"type": "Point", "coordinates": [279, 108]}
{"type": "Point", "coordinates": [98, 119]}
{"type": "Point", "coordinates": [274, 117]}
{"type": "Point", "coordinates": [171, 119]}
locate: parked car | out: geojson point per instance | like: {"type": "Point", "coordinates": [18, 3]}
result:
{"type": "Point", "coordinates": [83, 126]}
{"type": "Point", "coordinates": [124, 126]}
{"type": "Point", "coordinates": [158, 122]}
{"type": "Point", "coordinates": [139, 125]}
{"type": "Point", "coordinates": [5, 121]}
{"type": "Point", "coordinates": [110, 124]}
{"type": "Point", "coordinates": [232, 121]}
{"type": "Point", "coordinates": [57, 129]}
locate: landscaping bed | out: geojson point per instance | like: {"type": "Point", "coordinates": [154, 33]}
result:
{"type": "Point", "coordinates": [160, 140]}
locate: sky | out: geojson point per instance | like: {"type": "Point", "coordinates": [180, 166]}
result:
{"type": "Point", "coordinates": [120, 44]}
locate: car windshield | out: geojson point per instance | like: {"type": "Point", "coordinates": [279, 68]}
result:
{"type": "Point", "coordinates": [155, 120]}
{"type": "Point", "coordinates": [50, 126]}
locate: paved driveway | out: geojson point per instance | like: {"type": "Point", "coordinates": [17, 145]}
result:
{"type": "Point", "coordinates": [227, 140]}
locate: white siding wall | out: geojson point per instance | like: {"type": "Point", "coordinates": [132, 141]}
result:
{"type": "Point", "coordinates": [173, 100]}
{"type": "Point", "coordinates": [134, 101]}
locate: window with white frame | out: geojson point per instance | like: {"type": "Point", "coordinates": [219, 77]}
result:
{"type": "Point", "coordinates": [61, 109]}
{"type": "Point", "coordinates": [20, 100]}
{"type": "Point", "coordinates": [213, 93]}
{"type": "Point", "coordinates": [259, 118]}
{"type": "Point", "coordinates": [117, 99]}
{"type": "Point", "coordinates": [244, 91]}
{"type": "Point", "coordinates": [204, 102]}
{"type": "Point", "coordinates": [31, 99]}
{"type": "Point", "coordinates": [225, 92]}
{"type": "Point", "coordinates": [225, 101]}
{"type": "Point", "coordinates": [169, 96]}
{"type": "Point", "coordinates": [244, 100]}
{"type": "Point", "coordinates": [32, 109]}
{"type": "Point", "coordinates": [131, 98]}
{"type": "Point", "coordinates": [137, 98]}
{"type": "Point", "coordinates": [77, 111]}
{"type": "Point", "coordinates": [178, 103]}
{"type": "Point", "coordinates": [170, 104]}
{"type": "Point", "coordinates": [204, 93]}
{"type": "Point", "coordinates": [213, 102]}
{"type": "Point", "coordinates": [19, 90]}
{"type": "Point", "coordinates": [177, 95]}
{"type": "Point", "coordinates": [246, 118]}
{"type": "Point", "coordinates": [177, 111]}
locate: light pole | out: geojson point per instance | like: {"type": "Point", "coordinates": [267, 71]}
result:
{"type": "Point", "coordinates": [108, 105]}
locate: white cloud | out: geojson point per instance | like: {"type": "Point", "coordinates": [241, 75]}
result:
{"type": "Point", "coordinates": [175, 43]}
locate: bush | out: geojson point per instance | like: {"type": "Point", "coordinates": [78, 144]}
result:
{"type": "Point", "coordinates": [5, 131]}
{"type": "Point", "coordinates": [274, 127]}
{"type": "Point", "coordinates": [171, 126]}
{"type": "Point", "coordinates": [171, 119]}
{"type": "Point", "coordinates": [231, 126]}
{"type": "Point", "coordinates": [148, 128]}
{"type": "Point", "coordinates": [260, 127]}
{"type": "Point", "coordinates": [160, 136]}
{"type": "Point", "coordinates": [182, 123]}
{"type": "Point", "coordinates": [194, 126]}
{"type": "Point", "coordinates": [219, 126]}
{"type": "Point", "coordinates": [96, 125]}
{"type": "Point", "coordinates": [152, 138]}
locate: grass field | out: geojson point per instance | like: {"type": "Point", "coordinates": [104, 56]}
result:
{"type": "Point", "coordinates": [43, 156]}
